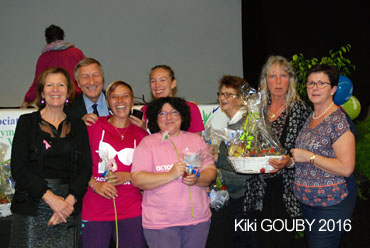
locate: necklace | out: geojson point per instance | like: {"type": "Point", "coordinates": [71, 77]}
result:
{"type": "Point", "coordinates": [326, 110]}
{"type": "Point", "coordinates": [273, 115]}
{"type": "Point", "coordinates": [121, 134]}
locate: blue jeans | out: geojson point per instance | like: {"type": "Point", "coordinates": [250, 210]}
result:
{"type": "Point", "coordinates": [328, 222]}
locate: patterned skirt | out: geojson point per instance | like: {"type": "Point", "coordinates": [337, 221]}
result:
{"type": "Point", "coordinates": [34, 232]}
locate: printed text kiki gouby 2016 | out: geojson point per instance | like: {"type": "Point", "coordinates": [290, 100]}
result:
{"type": "Point", "coordinates": [278, 225]}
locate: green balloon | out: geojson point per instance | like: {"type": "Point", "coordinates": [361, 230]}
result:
{"type": "Point", "coordinates": [352, 107]}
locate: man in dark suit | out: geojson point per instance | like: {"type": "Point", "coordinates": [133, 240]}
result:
{"type": "Point", "coordinates": [91, 103]}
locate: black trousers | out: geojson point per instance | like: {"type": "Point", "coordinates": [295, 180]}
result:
{"type": "Point", "coordinates": [222, 232]}
{"type": "Point", "coordinates": [273, 209]}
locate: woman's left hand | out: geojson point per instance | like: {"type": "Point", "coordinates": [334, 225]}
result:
{"type": "Point", "coordinates": [55, 219]}
{"type": "Point", "coordinates": [138, 122]}
{"type": "Point", "coordinates": [118, 178]}
{"type": "Point", "coordinates": [279, 164]}
{"type": "Point", "coordinates": [190, 179]}
{"type": "Point", "coordinates": [58, 204]}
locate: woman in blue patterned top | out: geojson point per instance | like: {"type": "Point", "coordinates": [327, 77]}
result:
{"type": "Point", "coordinates": [325, 161]}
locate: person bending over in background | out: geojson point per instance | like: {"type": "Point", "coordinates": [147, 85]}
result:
{"type": "Point", "coordinates": [56, 53]}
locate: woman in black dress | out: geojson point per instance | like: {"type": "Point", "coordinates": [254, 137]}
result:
{"type": "Point", "coordinates": [51, 166]}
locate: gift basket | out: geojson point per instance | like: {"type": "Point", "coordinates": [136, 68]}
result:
{"type": "Point", "coordinates": [254, 143]}
{"type": "Point", "coordinates": [6, 182]}
{"type": "Point", "coordinates": [219, 196]}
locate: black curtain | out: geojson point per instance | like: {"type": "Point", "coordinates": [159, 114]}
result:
{"type": "Point", "coordinates": [311, 28]}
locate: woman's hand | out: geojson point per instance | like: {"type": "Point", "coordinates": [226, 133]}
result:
{"type": "Point", "coordinates": [57, 203]}
{"type": "Point", "coordinates": [138, 122]}
{"type": "Point", "coordinates": [213, 150]}
{"type": "Point", "coordinates": [71, 200]}
{"type": "Point", "coordinates": [106, 190]}
{"type": "Point", "coordinates": [190, 179]}
{"type": "Point", "coordinates": [149, 180]}
{"type": "Point", "coordinates": [55, 219]}
{"type": "Point", "coordinates": [300, 155]}
{"type": "Point", "coordinates": [118, 178]}
{"type": "Point", "coordinates": [178, 169]}
{"type": "Point", "coordinates": [279, 164]}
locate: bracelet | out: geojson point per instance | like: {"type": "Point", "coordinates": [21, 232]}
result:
{"type": "Point", "coordinates": [292, 164]}
{"type": "Point", "coordinates": [93, 186]}
{"type": "Point", "coordinates": [312, 159]}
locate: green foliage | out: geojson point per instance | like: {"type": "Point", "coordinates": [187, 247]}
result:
{"type": "Point", "coordinates": [299, 235]}
{"type": "Point", "coordinates": [205, 117]}
{"type": "Point", "coordinates": [362, 157]}
{"type": "Point", "coordinates": [363, 148]}
{"type": "Point", "coordinates": [335, 58]}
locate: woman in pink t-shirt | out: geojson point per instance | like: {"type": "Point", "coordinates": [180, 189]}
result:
{"type": "Point", "coordinates": [175, 205]}
{"type": "Point", "coordinates": [163, 84]}
{"type": "Point", "coordinates": [113, 140]}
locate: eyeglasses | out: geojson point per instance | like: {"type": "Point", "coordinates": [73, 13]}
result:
{"type": "Point", "coordinates": [319, 84]}
{"type": "Point", "coordinates": [226, 94]}
{"type": "Point", "coordinates": [172, 113]}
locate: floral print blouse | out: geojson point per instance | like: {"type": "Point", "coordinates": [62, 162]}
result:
{"type": "Point", "coordinates": [313, 186]}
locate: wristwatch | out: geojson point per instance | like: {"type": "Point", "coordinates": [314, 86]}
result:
{"type": "Point", "coordinates": [312, 159]}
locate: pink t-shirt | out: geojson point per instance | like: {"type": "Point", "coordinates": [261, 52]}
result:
{"type": "Point", "coordinates": [105, 137]}
{"type": "Point", "coordinates": [169, 205]}
{"type": "Point", "coordinates": [196, 122]}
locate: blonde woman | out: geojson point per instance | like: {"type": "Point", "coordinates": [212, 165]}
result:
{"type": "Point", "coordinates": [271, 195]}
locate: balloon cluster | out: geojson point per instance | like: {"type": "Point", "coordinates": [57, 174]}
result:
{"type": "Point", "coordinates": [343, 97]}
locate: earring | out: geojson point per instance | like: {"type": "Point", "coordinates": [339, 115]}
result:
{"type": "Point", "coordinates": [67, 100]}
{"type": "Point", "coordinates": [42, 101]}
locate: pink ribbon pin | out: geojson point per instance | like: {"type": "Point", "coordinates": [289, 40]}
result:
{"type": "Point", "coordinates": [47, 146]}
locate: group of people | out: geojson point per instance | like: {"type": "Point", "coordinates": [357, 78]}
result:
{"type": "Point", "coordinates": [312, 181]}
{"type": "Point", "coordinates": [110, 158]}
{"type": "Point", "coordinates": [87, 171]}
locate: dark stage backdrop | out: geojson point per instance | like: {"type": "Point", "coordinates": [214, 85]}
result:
{"type": "Point", "coordinates": [311, 28]}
